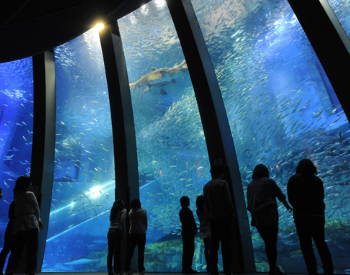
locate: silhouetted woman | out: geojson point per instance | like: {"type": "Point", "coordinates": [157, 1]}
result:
{"type": "Point", "coordinates": [261, 196]}
{"type": "Point", "coordinates": [116, 232]}
{"type": "Point", "coordinates": [306, 194]}
{"type": "Point", "coordinates": [25, 226]}
{"type": "Point", "coordinates": [204, 228]}
{"type": "Point", "coordinates": [137, 236]}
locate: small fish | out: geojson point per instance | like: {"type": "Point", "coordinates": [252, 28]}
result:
{"type": "Point", "coordinates": [95, 102]}
{"type": "Point", "coordinates": [90, 159]}
{"type": "Point", "coordinates": [24, 138]}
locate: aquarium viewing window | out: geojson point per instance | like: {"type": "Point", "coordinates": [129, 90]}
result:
{"type": "Point", "coordinates": [84, 186]}
{"type": "Point", "coordinates": [16, 129]}
{"type": "Point", "coordinates": [172, 154]}
{"type": "Point", "coordinates": [281, 108]}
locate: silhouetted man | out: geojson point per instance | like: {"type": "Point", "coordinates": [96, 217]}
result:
{"type": "Point", "coordinates": [219, 205]}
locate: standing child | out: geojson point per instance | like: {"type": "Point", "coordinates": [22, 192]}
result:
{"type": "Point", "coordinates": [189, 230]}
{"type": "Point", "coordinates": [137, 231]}
{"type": "Point", "coordinates": [204, 228]}
{"type": "Point", "coordinates": [116, 232]}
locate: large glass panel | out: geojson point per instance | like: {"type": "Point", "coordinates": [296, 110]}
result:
{"type": "Point", "coordinates": [281, 108]}
{"type": "Point", "coordinates": [172, 155]}
{"type": "Point", "coordinates": [83, 187]}
{"type": "Point", "coordinates": [16, 129]}
{"type": "Point", "coordinates": [341, 9]}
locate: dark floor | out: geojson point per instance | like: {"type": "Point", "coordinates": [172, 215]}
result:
{"type": "Point", "coordinates": [134, 273]}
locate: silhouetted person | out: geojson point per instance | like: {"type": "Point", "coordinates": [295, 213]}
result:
{"type": "Point", "coordinates": [218, 203]}
{"type": "Point", "coordinates": [189, 230]}
{"type": "Point", "coordinates": [116, 232]}
{"type": "Point", "coordinates": [306, 194]}
{"type": "Point", "coordinates": [25, 226]}
{"type": "Point", "coordinates": [204, 228]}
{"type": "Point", "coordinates": [137, 231]}
{"type": "Point", "coordinates": [1, 194]}
{"type": "Point", "coordinates": [261, 197]}
{"type": "Point", "coordinates": [8, 237]}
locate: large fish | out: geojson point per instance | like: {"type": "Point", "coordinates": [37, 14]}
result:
{"type": "Point", "coordinates": [82, 260]}
{"type": "Point", "coordinates": [160, 77]}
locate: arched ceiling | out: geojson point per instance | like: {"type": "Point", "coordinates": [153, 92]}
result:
{"type": "Point", "coordinates": [29, 27]}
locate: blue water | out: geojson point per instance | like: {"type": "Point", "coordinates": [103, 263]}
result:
{"type": "Point", "coordinates": [281, 108]}
{"type": "Point", "coordinates": [83, 187]}
{"type": "Point", "coordinates": [279, 102]}
{"type": "Point", "coordinates": [172, 155]}
{"type": "Point", "coordinates": [16, 129]}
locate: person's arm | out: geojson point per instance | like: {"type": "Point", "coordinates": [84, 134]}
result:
{"type": "Point", "coordinates": [34, 203]}
{"type": "Point", "coordinates": [206, 202]}
{"type": "Point", "coordinates": [11, 213]}
{"type": "Point", "coordinates": [282, 198]}
{"type": "Point", "coordinates": [122, 221]}
{"type": "Point", "coordinates": [194, 225]}
{"type": "Point", "coordinates": [290, 192]}
{"type": "Point", "coordinates": [249, 193]}
{"type": "Point", "coordinates": [228, 200]}
{"type": "Point", "coordinates": [145, 220]}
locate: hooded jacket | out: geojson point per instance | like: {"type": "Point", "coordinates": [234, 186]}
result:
{"type": "Point", "coordinates": [138, 221]}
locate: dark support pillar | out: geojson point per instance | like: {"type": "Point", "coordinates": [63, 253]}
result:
{"type": "Point", "coordinates": [328, 45]}
{"type": "Point", "coordinates": [44, 128]}
{"type": "Point", "coordinates": [124, 140]}
{"type": "Point", "coordinates": [215, 123]}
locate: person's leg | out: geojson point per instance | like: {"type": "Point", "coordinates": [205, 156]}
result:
{"type": "Point", "coordinates": [226, 233]}
{"type": "Point", "coordinates": [207, 242]}
{"type": "Point", "coordinates": [4, 252]}
{"type": "Point", "coordinates": [190, 251]}
{"type": "Point", "coordinates": [186, 244]}
{"type": "Point", "coordinates": [131, 247]}
{"type": "Point", "coordinates": [269, 235]}
{"type": "Point", "coordinates": [117, 252]}
{"type": "Point", "coordinates": [16, 252]}
{"type": "Point", "coordinates": [305, 239]}
{"type": "Point", "coordinates": [141, 243]}
{"type": "Point", "coordinates": [111, 248]}
{"type": "Point", "coordinates": [214, 247]}
{"type": "Point", "coordinates": [32, 244]}
{"type": "Point", "coordinates": [317, 232]}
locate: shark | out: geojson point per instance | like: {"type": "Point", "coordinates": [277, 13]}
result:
{"type": "Point", "coordinates": [160, 77]}
{"type": "Point", "coordinates": [82, 260]}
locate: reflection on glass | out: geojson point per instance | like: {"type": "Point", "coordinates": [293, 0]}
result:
{"type": "Point", "coordinates": [83, 187]}
{"type": "Point", "coordinates": [16, 129]}
{"type": "Point", "coordinates": [172, 155]}
{"type": "Point", "coordinates": [281, 108]}
{"type": "Point", "coordinates": [341, 9]}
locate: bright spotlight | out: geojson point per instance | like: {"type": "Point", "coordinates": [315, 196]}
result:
{"type": "Point", "coordinates": [94, 192]}
{"type": "Point", "coordinates": [99, 26]}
